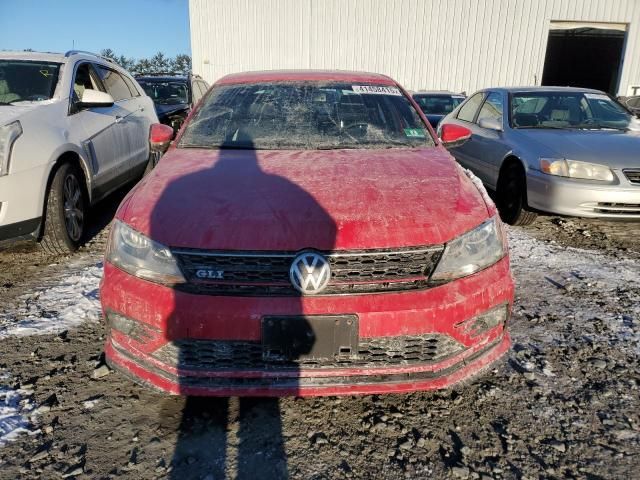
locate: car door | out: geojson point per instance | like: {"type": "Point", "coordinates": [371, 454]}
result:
{"type": "Point", "coordinates": [94, 128]}
{"type": "Point", "coordinates": [132, 130]}
{"type": "Point", "coordinates": [489, 145]}
{"type": "Point", "coordinates": [464, 153]}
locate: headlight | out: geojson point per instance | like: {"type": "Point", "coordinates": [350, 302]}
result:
{"type": "Point", "coordinates": [574, 169]}
{"type": "Point", "coordinates": [8, 135]}
{"type": "Point", "coordinates": [475, 250]}
{"type": "Point", "coordinates": [141, 257]}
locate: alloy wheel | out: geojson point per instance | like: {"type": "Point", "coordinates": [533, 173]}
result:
{"type": "Point", "coordinates": [73, 207]}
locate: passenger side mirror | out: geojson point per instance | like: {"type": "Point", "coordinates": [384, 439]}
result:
{"type": "Point", "coordinates": [160, 137]}
{"type": "Point", "coordinates": [453, 135]}
{"type": "Point", "coordinates": [491, 124]}
{"type": "Point", "coordinates": [94, 99]}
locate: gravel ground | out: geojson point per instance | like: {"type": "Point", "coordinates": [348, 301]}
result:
{"type": "Point", "coordinates": [563, 403]}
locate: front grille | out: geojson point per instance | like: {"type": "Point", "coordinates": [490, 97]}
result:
{"type": "Point", "coordinates": [211, 355]}
{"type": "Point", "coordinates": [633, 176]}
{"type": "Point", "coordinates": [267, 273]}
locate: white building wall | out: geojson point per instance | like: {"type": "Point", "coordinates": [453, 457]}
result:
{"type": "Point", "coordinates": [460, 45]}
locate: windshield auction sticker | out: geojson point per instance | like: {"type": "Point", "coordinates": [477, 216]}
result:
{"type": "Point", "coordinates": [376, 90]}
{"type": "Point", "coordinates": [414, 132]}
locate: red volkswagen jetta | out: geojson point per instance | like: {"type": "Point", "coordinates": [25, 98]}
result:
{"type": "Point", "coordinates": [306, 234]}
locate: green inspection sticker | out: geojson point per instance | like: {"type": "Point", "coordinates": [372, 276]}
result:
{"type": "Point", "coordinates": [414, 132]}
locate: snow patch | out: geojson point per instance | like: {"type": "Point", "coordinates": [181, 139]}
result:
{"type": "Point", "coordinates": [15, 408]}
{"type": "Point", "coordinates": [65, 303]}
{"type": "Point", "coordinates": [584, 287]}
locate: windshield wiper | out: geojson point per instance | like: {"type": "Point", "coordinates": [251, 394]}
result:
{"type": "Point", "coordinates": [194, 145]}
{"type": "Point", "coordinates": [598, 126]}
{"type": "Point", "coordinates": [552, 127]}
{"type": "Point", "coordinates": [217, 147]}
{"type": "Point", "coordinates": [335, 147]}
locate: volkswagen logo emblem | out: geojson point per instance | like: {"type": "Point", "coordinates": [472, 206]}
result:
{"type": "Point", "coordinates": [309, 273]}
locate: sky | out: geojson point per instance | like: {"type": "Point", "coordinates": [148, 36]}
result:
{"type": "Point", "coordinates": [134, 28]}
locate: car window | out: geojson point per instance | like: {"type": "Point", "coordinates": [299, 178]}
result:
{"type": "Point", "coordinates": [166, 92]}
{"type": "Point", "coordinates": [132, 87]}
{"type": "Point", "coordinates": [492, 107]}
{"type": "Point", "coordinates": [114, 83]}
{"type": "Point", "coordinates": [468, 111]}
{"type": "Point", "coordinates": [606, 110]}
{"type": "Point", "coordinates": [524, 104]}
{"type": "Point", "coordinates": [437, 104]}
{"type": "Point", "coordinates": [85, 78]}
{"type": "Point", "coordinates": [27, 81]}
{"type": "Point", "coordinates": [306, 116]}
{"type": "Point", "coordinates": [567, 110]}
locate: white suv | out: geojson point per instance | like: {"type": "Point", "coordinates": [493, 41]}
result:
{"type": "Point", "coordinates": [73, 128]}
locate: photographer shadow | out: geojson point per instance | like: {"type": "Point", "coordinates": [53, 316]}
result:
{"type": "Point", "coordinates": [231, 437]}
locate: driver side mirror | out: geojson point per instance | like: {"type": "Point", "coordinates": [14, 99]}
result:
{"type": "Point", "coordinates": [453, 135]}
{"type": "Point", "coordinates": [490, 124]}
{"type": "Point", "coordinates": [95, 99]}
{"type": "Point", "coordinates": [160, 137]}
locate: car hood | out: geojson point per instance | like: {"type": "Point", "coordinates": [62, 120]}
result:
{"type": "Point", "coordinates": [291, 200]}
{"type": "Point", "coordinates": [615, 148]}
{"type": "Point", "coordinates": [164, 110]}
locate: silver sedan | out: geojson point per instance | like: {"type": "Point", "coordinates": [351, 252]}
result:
{"type": "Point", "coordinates": [562, 150]}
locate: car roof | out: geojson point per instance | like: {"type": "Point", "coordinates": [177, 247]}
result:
{"type": "Point", "coordinates": [56, 57]}
{"type": "Point", "coordinates": [35, 56]}
{"type": "Point", "coordinates": [306, 75]}
{"type": "Point", "coordinates": [543, 89]}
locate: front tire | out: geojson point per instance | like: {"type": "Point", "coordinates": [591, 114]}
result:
{"type": "Point", "coordinates": [66, 208]}
{"type": "Point", "coordinates": [512, 197]}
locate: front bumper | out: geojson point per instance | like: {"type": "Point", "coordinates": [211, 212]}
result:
{"type": "Point", "coordinates": [564, 196]}
{"type": "Point", "coordinates": [168, 317]}
{"type": "Point", "coordinates": [21, 204]}
{"type": "Point", "coordinates": [27, 230]}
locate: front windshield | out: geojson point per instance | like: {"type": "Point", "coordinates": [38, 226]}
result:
{"type": "Point", "coordinates": [572, 110]}
{"type": "Point", "coordinates": [166, 92]}
{"type": "Point", "coordinates": [305, 116]}
{"type": "Point", "coordinates": [27, 81]}
{"type": "Point", "coordinates": [437, 104]}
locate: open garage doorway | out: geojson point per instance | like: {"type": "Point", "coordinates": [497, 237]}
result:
{"type": "Point", "coordinates": [584, 55]}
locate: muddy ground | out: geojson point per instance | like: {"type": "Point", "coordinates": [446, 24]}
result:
{"type": "Point", "coordinates": [563, 403]}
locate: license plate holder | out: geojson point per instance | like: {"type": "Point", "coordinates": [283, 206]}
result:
{"type": "Point", "coordinates": [313, 337]}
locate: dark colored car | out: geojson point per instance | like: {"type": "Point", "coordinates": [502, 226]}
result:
{"type": "Point", "coordinates": [173, 96]}
{"type": "Point", "coordinates": [436, 105]}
